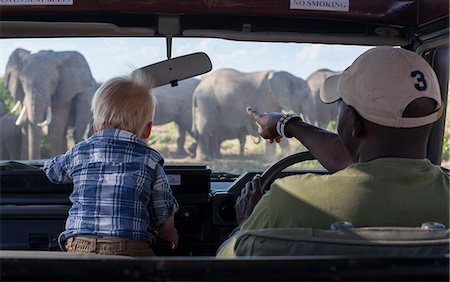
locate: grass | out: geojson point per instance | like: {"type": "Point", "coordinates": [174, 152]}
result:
{"type": "Point", "coordinates": [231, 161]}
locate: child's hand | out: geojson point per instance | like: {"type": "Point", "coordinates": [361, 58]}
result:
{"type": "Point", "coordinates": [174, 239]}
{"type": "Point", "coordinates": [169, 233]}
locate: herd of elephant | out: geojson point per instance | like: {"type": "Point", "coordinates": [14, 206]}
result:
{"type": "Point", "coordinates": [55, 89]}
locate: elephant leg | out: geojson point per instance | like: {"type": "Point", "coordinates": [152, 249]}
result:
{"type": "Point", "coordinates": [11, 138]}
{"type": "Point", "coordinates": [215, 140]}
{"type": "Point", "coordinates": [82, 113]}
{"type": "Point", "coordinates": [14, 151]}
{"type": "Point", "coordinates": [205, 124]}
{"type": "Point", "coordinates": [270, 155]}
{"type": "Point", "coordinates": [180, 142]}
{"type": "Point", "coordinates": [216, 151]}
{"type": "Point", "coordinates": [242, 139]}
{"type": "Point", "coordinates": [3, 140]}
{"type": "Point", "coordinates": [284, 145]}
{"type": "Point", "coordinates": [58, 129]}
{"type": "Point", "coordinates": [204, 146]}
{"type": "Point", "coordinates": [3, 152]}
{"type": "Point", "coordinates": [14, 146]}
{"type": "Point", "coordinates": [24, 141]}
{"type": "Point", "coordinates": [214, 145]}
{"type": "Point", "coordinates": [204, 135]}
{"type": "Point", "coordinates": [192, 150]}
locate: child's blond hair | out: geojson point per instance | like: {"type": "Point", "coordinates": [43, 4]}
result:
{"type": "Point", "coordinates": [125, 103]}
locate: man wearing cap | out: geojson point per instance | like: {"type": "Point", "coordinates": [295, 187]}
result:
{"type": "Point", "coordinates": [388, 99]}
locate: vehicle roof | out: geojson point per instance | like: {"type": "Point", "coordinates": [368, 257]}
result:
{"type": "Point", "coordinates": [394, 12]}
{"type": "Point", "coordinates": [390, 22]}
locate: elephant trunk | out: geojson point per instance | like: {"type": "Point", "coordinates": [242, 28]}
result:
{"type": "Point", "coordinates": [36, 110]}
{"type": "Point", "coordinates": [34, 141]}
{"type": "Point", "coordinates": [48, 118]}
{"type": "Point", "coordinates": [257, 140]}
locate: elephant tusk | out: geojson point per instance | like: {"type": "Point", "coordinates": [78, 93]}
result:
{"type": "Point", "coordinates": [20, 118]}
{"type": "Point", "coordinates": [16, 106]}
{"type": "Point", "coordinates": [257, 140]}
{"type": "Point", "coordinates": [48, 118]}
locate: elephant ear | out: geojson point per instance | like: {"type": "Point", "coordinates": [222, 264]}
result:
{"type": "Point", "coordinates": [75, 77]}
{"type": "Point", "coordinates": [12, 73]}
{"type": "Point", "coordinates": [282, 86]}
{"type": "Point", "coordinates": [16, 59]}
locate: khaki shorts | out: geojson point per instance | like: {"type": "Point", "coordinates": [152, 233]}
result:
{"type": "Point", "coordinates": [108, 246]}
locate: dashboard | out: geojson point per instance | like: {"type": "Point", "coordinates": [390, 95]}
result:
{"type": "Point", "coordinates": [33, 210]}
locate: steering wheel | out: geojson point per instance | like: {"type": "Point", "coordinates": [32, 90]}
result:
{"type": "Point", "coordinates": [273, 171]}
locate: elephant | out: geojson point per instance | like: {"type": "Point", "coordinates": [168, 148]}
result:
{"type": "Point", "coordinates": [10, 143]}
{"type": "Point", "coordinates": [51, 86]}
{"type": "Point", "coordinates": [325, 112]}
{"type": "Point", "coordinates": [222, 96]}
{"type": "Point", "coordinates": [10, 135]}
{"type": "Point", "coordinates": [89, 130]}
{"type": "Point", "coordinates": [2, 109]}
{"type": "Point", "coordinates": [175, 104]}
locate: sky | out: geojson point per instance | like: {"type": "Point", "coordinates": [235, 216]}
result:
{"type": "Point", "coordinates": [110, 57]}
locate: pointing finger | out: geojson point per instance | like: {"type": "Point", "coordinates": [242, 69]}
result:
{"type": "Point", "coordinates": [252, 112]}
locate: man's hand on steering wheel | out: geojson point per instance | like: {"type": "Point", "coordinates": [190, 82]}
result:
{"type": "Point", "coordinates": [250, 196]}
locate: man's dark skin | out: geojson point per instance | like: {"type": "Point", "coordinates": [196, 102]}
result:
{"type": "Point", "coordinates": [358, 140]}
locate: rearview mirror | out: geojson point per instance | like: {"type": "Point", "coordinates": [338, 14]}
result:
{"type": "Point", "coordinates": [176, 69]}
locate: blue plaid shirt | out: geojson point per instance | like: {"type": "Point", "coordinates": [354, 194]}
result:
{"type": "Point", "coordinates": [119, 186]}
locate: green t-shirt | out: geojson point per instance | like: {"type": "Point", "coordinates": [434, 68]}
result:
{"type": "Point", "coordinates": [382, 192]}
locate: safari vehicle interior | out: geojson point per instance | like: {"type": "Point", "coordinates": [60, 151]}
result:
{"type": "Point", "coordinates": [33, 210]}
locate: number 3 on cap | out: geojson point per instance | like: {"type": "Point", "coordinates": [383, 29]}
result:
{"type": "Point", "coordinates": [422, 83]}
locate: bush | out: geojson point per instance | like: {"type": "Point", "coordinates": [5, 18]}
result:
{"type": "Point", "coordinates": [446, 146]}
{"type": "Point", "coordinates": [5, 96]}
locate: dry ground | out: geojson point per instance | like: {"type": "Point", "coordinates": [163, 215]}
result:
{"type": "Point", "coordinates": [164, 140]}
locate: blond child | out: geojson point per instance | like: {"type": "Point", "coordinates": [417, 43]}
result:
{"type": "Point", "coordinates": [120, 191]}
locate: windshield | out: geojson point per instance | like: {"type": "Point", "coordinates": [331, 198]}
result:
{"type": "Point", "coordinates": [229, 141]}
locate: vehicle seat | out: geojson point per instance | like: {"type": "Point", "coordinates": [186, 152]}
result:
{"type": "Point", "coordinates": [382, 241]}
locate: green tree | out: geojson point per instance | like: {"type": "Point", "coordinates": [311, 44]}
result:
{"type": "Point", "coordinates": [5, 96]}
{"type": "Point", "coordinates": [446, 145]}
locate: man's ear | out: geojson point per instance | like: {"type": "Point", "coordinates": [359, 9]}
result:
{"type": "Point", "coordinates": [147, 130]}
{"type": "Point", "coordinates": [357, 122]}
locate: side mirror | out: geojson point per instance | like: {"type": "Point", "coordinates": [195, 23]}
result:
{"type": "Point", "coordinates": [176, 69]}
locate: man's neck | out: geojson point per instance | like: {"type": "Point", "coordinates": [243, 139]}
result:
{"type": "Point", "coordinates": [391, 149]}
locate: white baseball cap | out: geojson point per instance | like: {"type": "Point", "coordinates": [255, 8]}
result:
{"type": "Point", "coordinates": [382, 82]}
